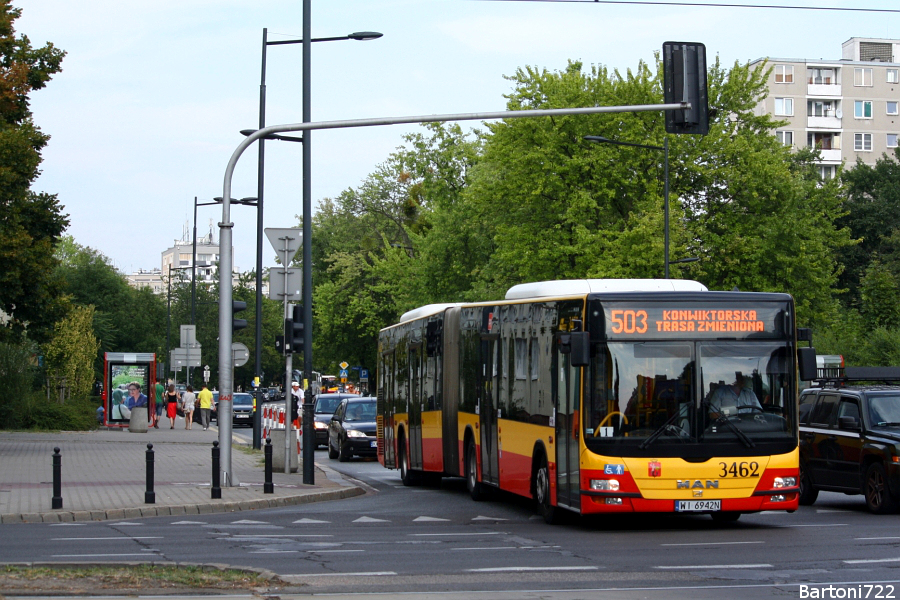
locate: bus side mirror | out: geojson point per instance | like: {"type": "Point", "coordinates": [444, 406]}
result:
{"type": "Point", "coordinates": [806, 363]}
{"type": "Point", "coordinates": [581, 349]}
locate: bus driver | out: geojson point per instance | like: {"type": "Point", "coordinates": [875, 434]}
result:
{"type": "Point", "coordinates": [734, 398]}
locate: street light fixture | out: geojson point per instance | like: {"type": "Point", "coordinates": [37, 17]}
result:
{"type": "Point", "coordinates": [665, 149]}
{"type": "Point", "coordinates": [307, 294]}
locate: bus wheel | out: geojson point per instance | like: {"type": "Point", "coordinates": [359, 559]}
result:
{"type": "Point", "coordinates": [878, 494]}
{"type": "Point", "coordinates": [406, 475]}
{"type": "Point", "coordinates": [542, 493]}
{"type": "Point", "coordinates": [476, 490]}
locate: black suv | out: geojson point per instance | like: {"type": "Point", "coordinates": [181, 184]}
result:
{"type": "Point", "coordinates": [850, 438]}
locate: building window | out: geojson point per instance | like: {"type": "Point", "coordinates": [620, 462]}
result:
{"type": "Point", "coordinates": [784, 73]}
{"type": "Point", "coordinates": [784, 107]}
{"type": "Point", "coordinates": [862, 142]}
{"type": "Point", "coordinates": [826, 172]}
{"type": "Point", "coordinates": [820, 76]}
{"type": "Point", "coordinates": [862, 77]}
{"type": "Point", "coordinates": [893, 75]}
{"type": "Point", "coordinates": [892, 140]}
{"type": "Point", "coordinates": [785, 137]}
{"type": "Point", "coordinates": [862, 109]}
{"type": "Point", "coordinates": [892, 107]}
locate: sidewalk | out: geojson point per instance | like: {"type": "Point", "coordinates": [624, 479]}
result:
{"type": "Point", "coordinates": [104, 476]}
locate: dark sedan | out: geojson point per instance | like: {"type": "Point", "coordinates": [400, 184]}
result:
{"type": "Point", "coordinates": [326, 404]}
{"type": "Point", "coordinates": [352, 429]}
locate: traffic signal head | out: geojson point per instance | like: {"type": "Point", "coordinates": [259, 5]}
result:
{"type": "Point", "coordinates": [684, 80]}
{"type": "Point", "coordinates": [295, 332]}
{"type": "Point", "coordinates": [236, 307]}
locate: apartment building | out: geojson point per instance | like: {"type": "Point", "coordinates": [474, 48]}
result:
{"type": "Point", "coordinates": [847, 108]}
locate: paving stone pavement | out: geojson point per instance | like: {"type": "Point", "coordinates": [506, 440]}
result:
{"type": "Point", "coordinates": [104, 476]}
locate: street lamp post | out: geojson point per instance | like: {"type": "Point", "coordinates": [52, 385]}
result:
{"type": "Point", "coordinates": [665, 149]}
{"type": "Point", "coordinates": [169, 312]}
{"type": "Point", "coordinates": [260, 185]}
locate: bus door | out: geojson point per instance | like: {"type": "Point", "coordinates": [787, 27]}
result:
{"type": "Point", "coordinates": [487, 401]}
{"type": "Point", "coordinates": [387, 408]}
{"type": "Point", "coordinates": [568, 426]}
{"type": "Point", "coordinates": [414, 401]}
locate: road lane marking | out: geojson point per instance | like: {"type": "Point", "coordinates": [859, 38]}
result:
{"type": "Point", "coordinates": [820, 525]}
{"type": "Point", "coordinates": [757, 566]}
{"type": "Point", "coordinates": [112, 537]}
{"type": "Point", "coordinates": [370, 574]}
{"type": "Point", "coordinates": [863, 561]}
{"type": "Point", "coordinates": [97, 555]}
{"type": "Point", "coordinates": [523, 569]}
{"type": "Point", "coordinates": [713, 543]}
{"type": "Point", "coordinates": [457, 534]}
{"type": "Point", "coordinates": [893, 537]}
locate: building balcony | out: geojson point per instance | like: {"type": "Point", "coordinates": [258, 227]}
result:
{"type": "Point", "coordinates": [827, 90]}
{"type": "Point", "coordinates": [823, 122]}
{"type": "Point", "coordinates": [830, 156]}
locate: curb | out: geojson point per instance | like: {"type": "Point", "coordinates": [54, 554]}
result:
{"type": "Point", "coordinates": [63, 516]}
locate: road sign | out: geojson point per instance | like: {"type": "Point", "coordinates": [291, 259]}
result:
{"type": "Point", "coordinates": [241, 354]}
{"type": "Point", "coordinates": [343, 374]}
{"type": "Point", "coordinates": [363, 375]}
{"type": "Point", "coordinates": [344, 365]}
{"type": "Point", "coordinates": [276, 283]}
{"type": "Point", "coordinates": [285, 241]}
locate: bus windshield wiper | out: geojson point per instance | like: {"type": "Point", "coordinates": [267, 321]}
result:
{"type": "Point", "coordinates": [737, 430]}
{"type": "Point", "coordinates": [667, 426]}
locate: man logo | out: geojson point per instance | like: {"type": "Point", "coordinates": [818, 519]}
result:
{"type": "Point", "coordinates": [693, 484]}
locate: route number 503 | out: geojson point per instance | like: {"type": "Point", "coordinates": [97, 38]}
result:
{"type": "Point", "coordinates": [629, 321]}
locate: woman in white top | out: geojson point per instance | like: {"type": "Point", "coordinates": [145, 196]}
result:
{"type": "Point", "coordinates": [187, 405]}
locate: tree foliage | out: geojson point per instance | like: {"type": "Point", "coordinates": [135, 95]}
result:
{"type": "Point", "coordinates": [71, 354]}
{"type": "Point", "coordinates": [30, 222]}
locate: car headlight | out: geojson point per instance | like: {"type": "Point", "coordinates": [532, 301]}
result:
{"type": "Point", "coordinates": [319, 425]}
{"type": "Point", "coordinates": [354, 433]}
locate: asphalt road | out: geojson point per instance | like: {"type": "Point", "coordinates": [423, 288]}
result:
{"type": "Point", "coordinates": [397, 539]}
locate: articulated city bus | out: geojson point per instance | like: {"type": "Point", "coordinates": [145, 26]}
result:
{"type": "Point", "coordinates": [599, 396]}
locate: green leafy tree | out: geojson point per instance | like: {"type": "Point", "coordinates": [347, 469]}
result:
{"type": "Point", "coordinates": [71, 353]}
{"type": "Point", "coordinates": [872, 206]}
{"type": "Point", "coordinates": [879, 293]}
{"type": "Point", "coordinates": [30, 222]}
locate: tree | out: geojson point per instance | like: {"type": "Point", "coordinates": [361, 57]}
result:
{"type": "Point", "coordinates": [872, 206]}
{"type": "Point", "coordinates": [70, 355]}
{"type": "Point", "coordinates": [30, 222]}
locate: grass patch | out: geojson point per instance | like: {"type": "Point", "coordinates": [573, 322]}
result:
{"type": "Point", "coordinates": [131, 577]}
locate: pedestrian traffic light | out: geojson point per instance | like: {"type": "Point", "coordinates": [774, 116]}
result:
{"type": "Point", "coordinates": [684, 80]}
{"type": "Point", "coordinates": [236, 307]}
{"type": "Point", "coordinates": [279, 344]}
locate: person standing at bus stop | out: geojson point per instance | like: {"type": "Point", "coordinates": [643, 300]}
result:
{"type": "Point", "coordinates": [205, 398]}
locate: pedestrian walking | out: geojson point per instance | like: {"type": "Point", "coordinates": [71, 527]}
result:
{"type": "Point", "coordinates": [188, 403]}
{"type": "Point", "coordinates": [171, 405]}
{"type": "Point", "coordinates": [159, 403]}
{"type": "Point", "coordinates": [205, 399]}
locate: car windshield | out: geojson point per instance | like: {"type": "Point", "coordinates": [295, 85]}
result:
{"type": "Point", "coordinates": [327, 405]}
{"type": "Point", "coordinates": [243, 399]}
{"type": "Point", "coordinates": [884, 409]}
{"type": "Point", "coordinates": [361, 411]}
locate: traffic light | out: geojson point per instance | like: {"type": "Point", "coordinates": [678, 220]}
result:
{"type": "Point", "coordinates": [296, 331]}
{"type": "Point", "coordinates": [684, 80]}
{"type": "Point", "coordinates": [236, 307]}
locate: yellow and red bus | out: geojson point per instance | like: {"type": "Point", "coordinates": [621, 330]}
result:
{"type": "Point", "coordinates": [599, 396]}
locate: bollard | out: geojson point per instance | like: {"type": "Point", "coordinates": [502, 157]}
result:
{"type": "Point", "coordinates": [268, 487]}
{"type": "Point", "coordinates": [150, 495]}
{"type": "Point", "coordinates": [56, 502]}
{"type": "Point", "coordinates": [216, 491]}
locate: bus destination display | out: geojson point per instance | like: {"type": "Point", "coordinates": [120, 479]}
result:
{"type": "Point", "coordinates": [649, 320]}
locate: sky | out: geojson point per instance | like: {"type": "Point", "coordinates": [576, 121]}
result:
{"type": "Point", "coordinates": [148, 108]}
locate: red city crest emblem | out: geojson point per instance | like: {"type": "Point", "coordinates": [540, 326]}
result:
{"type": "Point", "coordinates": [654, 468]}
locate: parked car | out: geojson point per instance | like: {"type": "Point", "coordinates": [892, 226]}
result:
{"type": "Point", "coordinates": [850, 439]}
{"type": "Point", "coordinates": [352, 429]}
{"type": "Point", "coordinates": [324, 409]}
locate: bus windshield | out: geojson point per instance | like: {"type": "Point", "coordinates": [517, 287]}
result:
{"type": "Point", "coordinates": [657, 397]}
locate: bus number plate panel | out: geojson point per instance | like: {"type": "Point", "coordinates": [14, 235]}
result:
{"type": "Point", "coordinates": [697, 505]}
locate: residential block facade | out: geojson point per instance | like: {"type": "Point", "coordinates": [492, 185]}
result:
{"type": "Point", "coordinates": [847, 108]}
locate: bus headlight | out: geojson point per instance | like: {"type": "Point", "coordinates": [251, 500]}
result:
{"type": "Point", "coordinates": [780, 498]}
{"type": "Point", "coordinates": [605, 485]}
{"type": "Point", "coordinates": [614, 501]}
{"type": "Point", "coordinates": [781, 482]}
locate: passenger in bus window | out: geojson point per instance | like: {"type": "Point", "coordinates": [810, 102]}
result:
{"type": "Point", "coordinates": [734, 398]}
